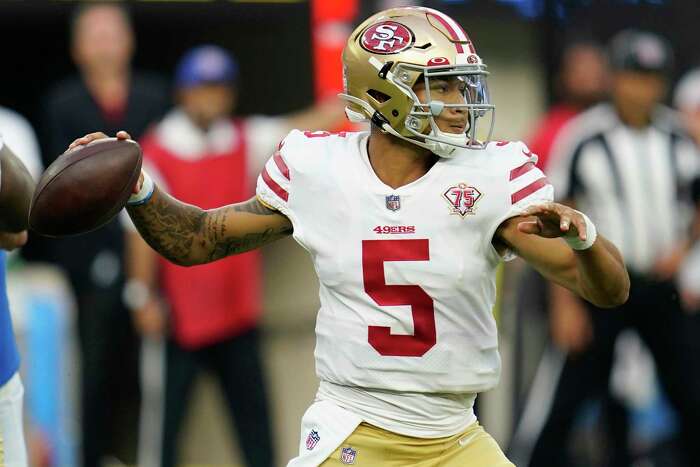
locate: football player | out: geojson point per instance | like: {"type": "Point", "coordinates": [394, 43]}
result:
{"type": "Point", "coordinates": [16, 189]}
{"type": "Point", "coordinates": [406, 225]}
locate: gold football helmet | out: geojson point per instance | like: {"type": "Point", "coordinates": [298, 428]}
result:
{"type": "Point", "coordinates": [386, 56]}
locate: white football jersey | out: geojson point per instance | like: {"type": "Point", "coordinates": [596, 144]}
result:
{"type": "Point", "coordinates": [407, 275]}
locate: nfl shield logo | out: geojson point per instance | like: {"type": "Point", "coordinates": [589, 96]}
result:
{"type": "Point", "coordinates": [312, 440]}
{"type": "Point", "coordinates": [347, 456]}
{"type": "Point", "coordinates": [393, 202]}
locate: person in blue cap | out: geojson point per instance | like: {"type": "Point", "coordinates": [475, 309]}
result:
{"type": "Point", "coordinates": [16, 189]}
{"type": "Point", "coordinates": [207, 157]}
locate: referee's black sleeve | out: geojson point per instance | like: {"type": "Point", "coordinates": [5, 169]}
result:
{"type": "Point", "coordinates": [695, 190]}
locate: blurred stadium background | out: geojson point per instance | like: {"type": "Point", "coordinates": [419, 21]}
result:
{"type": "Point", "coordinates": [281, 47]}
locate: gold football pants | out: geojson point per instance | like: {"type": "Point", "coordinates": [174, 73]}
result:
{"type": "Point", "coordinates": [370, 446]}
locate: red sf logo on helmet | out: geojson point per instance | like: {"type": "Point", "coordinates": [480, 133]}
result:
{"type": "Point", "coordinates": [387, 37]}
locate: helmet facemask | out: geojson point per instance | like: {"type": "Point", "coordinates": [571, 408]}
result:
{"type": "Point", "coordinates": [420, 125]}
{"type": "Point", "coordinates": [475, 106]}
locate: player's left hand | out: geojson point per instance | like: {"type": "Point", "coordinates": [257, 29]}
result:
{"type": "Point", "coordinates": [553, 220]}
{"type": "Point", "coordinates": [10, 240]}
{"type": "Point", "coordinates": [90, 137]}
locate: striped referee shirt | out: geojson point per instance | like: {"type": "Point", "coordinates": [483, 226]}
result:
{"type": "Point", "coordinates": [635, 184]}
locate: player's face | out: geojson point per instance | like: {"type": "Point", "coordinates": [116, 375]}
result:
{"type": "Point", "coordinates": [102, 39]}
{"type": "Point", "coordinates": [450, 90]}
{"type": "Point", "coordinates": [207, 103]}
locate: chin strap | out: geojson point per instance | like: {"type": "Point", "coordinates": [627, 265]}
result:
{"type": "Point", "coordinates": [437, 147]}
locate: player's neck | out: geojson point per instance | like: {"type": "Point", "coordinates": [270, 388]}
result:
{"type": "Point", "coordinates": [397, 163]}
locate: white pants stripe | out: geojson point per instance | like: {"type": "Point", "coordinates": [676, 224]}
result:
{"type": "Point", "coordinates": [13, 452]}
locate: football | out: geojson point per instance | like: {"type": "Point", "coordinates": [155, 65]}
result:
{"type": "Point", "coordinates": [85, 188]}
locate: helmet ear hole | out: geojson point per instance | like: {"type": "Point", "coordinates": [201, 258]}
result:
{"type": "Point", "coordinates": [378, 96]}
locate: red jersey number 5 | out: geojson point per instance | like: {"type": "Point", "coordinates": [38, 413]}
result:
{"type": "Point", "coordinates": [374, 254]}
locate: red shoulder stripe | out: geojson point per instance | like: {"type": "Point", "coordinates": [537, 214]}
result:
{"type": "Point", "coordinates": [281, 165]}
{"type": "Point", "coordinates": [528, 190]}
{"type": "Point", "coordinates": [523, 169]}
{"type": "Point", "coordinates": [274, 186]}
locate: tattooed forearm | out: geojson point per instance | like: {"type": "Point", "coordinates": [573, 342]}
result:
{"type": "Point", "coordinates": [246, 243]}
{"type": "Point", "coordinates": [226, 245]}
{"type": "Point", "coordinates": [169, 227]}
{"type": "Point", "coordinates": [188, 235]}
{"type": "Point", "coordinates": [254, 206]}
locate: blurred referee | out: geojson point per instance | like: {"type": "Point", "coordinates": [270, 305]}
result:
{"type": "Point", "coordinates": [629, 165]}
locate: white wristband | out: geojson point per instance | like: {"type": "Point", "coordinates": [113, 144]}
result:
{"type": "Point", "coordinates": [591, 234]}
{"type": "Point", "coordinates": [144, 193]}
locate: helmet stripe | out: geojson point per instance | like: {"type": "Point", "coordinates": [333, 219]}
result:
{"type": "Point", "coordinates": [450, 30]}
{"type": "Point", "coordinates": [454, 29]}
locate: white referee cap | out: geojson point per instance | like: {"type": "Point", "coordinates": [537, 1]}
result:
{"type": "Point", "coordinates": [687, 93]}
{"type": "Point", "coordinates": [640, 51]}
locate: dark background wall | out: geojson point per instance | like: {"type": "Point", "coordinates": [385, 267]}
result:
{"type": "Point", "coordinates": [271, 42]}
{"type": "Point", "coordinates": [558, 21]}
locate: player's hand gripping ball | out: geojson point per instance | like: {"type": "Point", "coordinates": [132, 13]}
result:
{"type": "Point", "coordinates": [86, 186]}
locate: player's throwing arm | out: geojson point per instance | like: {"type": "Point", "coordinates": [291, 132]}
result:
{"type": "Point", "coordinates": [188, 235]}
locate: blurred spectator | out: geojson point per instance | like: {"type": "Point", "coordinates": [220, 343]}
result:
{"type": "Point", "coordinates": [16, 190]}
{"type": "Point", "coordinates": [201, 155]}
{"type": "Point", "coordinates": [18, 134]}
{"type": "Point", "coordinates": [581, 82]}
{"type": "Point", "coordinates": [630, 166]}
{"type": "Point", "coordinates": [687, 100]}
{"type": "Point", "coordinates": [105, 95]}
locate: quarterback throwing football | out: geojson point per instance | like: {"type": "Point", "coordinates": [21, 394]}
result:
{"type": "Point", "coordinates": [406, 225]}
